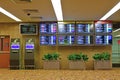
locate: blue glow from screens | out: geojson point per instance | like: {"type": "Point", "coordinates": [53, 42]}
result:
{"type": "Point", "coordinates": [70, 28]}
{"type": "Point", "coordinates": [66, 40]}
{"type": "Point", "coordinates": [104, 40]}
{"type": "Point", "coordinates": [48, 40]}
{"type": "Point", "coordinates": [83, 28]}
{"type": "Point", "coordinates": [29, 46]}
{"type": "Point", "coordinates": [66, 28]}
{"type": "Point", "coordinates": [83, 40]}
{"type": "Point", "coordinates": [107, 28]}
{"type": "Point", "coordinates": [15, 46]}
{"type": "Point", "coordinates": [48, 28]}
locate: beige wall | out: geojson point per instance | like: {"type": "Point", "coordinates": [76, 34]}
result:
{"type": "Point", "coordinates": [12, 29]}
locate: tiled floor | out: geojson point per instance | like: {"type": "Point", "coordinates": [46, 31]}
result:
{"type": "Point", "coordinates": [6, 74]}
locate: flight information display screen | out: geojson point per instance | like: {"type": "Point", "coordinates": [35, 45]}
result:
{"type": "Point", "coordinates": [84, 28]}
{"type": "Point", "coordinates": [48, 40]}
{"type": "Point", "coordinates": [84, 40]}
{"type": "Point", "coordinates": [66, 40]}
{"type": "Point", "coordinates": [103, 40]}
{"type": "Point", "coordinates": [28, 29]}
{"type": "Point", "coordinates": [48, 28]}
{"type": "Point", "coordinates": [103, 27]}
{"type": "Point", "coordinates": [66, 28]}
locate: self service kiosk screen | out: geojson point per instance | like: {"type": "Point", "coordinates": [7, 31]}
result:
{"type": "Point", "coordinates": [15, 46]}
{"type": "Point", "coordinates": [29, 46]}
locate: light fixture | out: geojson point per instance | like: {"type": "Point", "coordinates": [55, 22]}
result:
{"type": "Point", "coordinates": [58, 9]}
{"type": "Point", "coordinates": [9, 14]}
{"type": "Point", "coordinates": [116, 30]}
{"type": "Point", "coordinates": [117, 36]}
{"type": "Point", "coordinates": [112, 11]}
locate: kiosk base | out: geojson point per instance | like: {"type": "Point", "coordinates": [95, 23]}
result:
{"type": "Point", "coordinates": [29, 64]}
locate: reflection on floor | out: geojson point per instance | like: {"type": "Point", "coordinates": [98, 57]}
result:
{"type": "Point", "coordinates": [6, 74]}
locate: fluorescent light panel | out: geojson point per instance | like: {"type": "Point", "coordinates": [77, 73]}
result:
{"type": "Point", "coordinates": [9, 14]}
{"type": "Point", "coordinates": [58, 9]}
{"type": "Point", "coordinates": [112, 11]}
{"type": "Point", "coordinates": [117, 36]}
{"type": "Point", "coordinates": [116, 30]}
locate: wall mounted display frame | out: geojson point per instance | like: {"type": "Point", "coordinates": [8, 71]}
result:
{"type": "Point", "coordinates": [84, 27]}
{"type": "Point", "coordinates": [85, 40]}
{"type": "Point", "coordinates": [48, 40]}
{"type": "Point", "coordinates": [66, 27]}
{"type": "Point", "coordinates": [28, 28]}
{"type": "Point", "coordinates": [103, 27]}
{"type": "Point", "coordinates": [48, 27]}
{"type": "Point", "coordinates": [66, 40]}
{"type": "Point", "coordinates": [103, 39]}
{"type": "Point", "coordinates": [76, 33]}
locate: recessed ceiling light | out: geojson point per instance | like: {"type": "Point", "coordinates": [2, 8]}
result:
{"type": "Point", "coordinates": [112, 11]}
{"type": "Point", "coordinates": [58, 9]}
{"type": "Point", "coordinates": [9, 14]}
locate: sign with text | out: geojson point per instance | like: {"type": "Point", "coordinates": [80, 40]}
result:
{"type": "Point", "coordinates": [119, 42]}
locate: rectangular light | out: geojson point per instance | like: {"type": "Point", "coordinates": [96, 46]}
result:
{"type": "Point", "coordinates": [116, 30]}
{"type": "Point", "coordinates": [9, 14]}
{"type": "Point", "coordinates": [58, 9]}
{"type": "Point", "coordinates": [112, 11]}
{"type": "Point", "coordinates": [117, 36]}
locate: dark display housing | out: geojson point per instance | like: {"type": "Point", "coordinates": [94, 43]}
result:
{"type": "Point", "coordinates": [66, 28]}
{"type": "Point", "coordinates": [47, 40]}
{"type": "Point", "coordinates": [48, 28]}
{"type": "Point", "coordinates": [84, 39]}
{"type": "Point", "coordinates": [84, 28]}
{"type": "Point", "coordinates": [28, 29]}
{"type": "Point", "coordinates": [103, 39]}
{"type": "Point", "coordinates": [66, 40]}
{"type": "Point", "coordinates": [103, 27]}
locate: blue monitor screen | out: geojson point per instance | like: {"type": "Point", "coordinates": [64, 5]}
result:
{"type": "Point", "coordinates": [29, 46]}
{"type": "Point", "coordinates": [48, 40]}
{"type": "Point", "coordinates": [84, 28]}
{"type": "Point", "coordinates": [15, 46]}
{"type": "Point", "coordinates": [66, 28]}
{"type": "Point", "coordinates": [105, 28]}
{"type": "Point", "coordinates": [85, 40]}
{"type": "Point", "coordinates": [48, 28]}
{"type": "Point", "coordinates": [66, 40]}
{"type": "Point", "coordinates": [103, 40]}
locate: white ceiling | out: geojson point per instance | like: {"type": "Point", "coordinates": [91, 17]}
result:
{"type": "Point", "coordinates": [72, 10]}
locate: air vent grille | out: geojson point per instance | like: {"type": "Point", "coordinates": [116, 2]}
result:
{"type": "Point", "coordinates": [31, 10]}
{"type": "Point", "coordinates": [21, 1]}
{"type": "Point", "coordinates": [36, 17]}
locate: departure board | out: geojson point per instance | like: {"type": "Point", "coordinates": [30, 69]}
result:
{"type": "Point", "coordinates": [28, 29]}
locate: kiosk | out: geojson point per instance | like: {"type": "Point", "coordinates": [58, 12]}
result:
{"type": "Point", "coordinates": [29, 54]}
{"type": "Point", "coordinates": [15, 53]}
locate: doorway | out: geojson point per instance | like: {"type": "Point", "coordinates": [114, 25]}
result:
{"type": "Point", "coordinates": [4, 51]}
{"type": "Point", "coordinates": [116, 45]}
